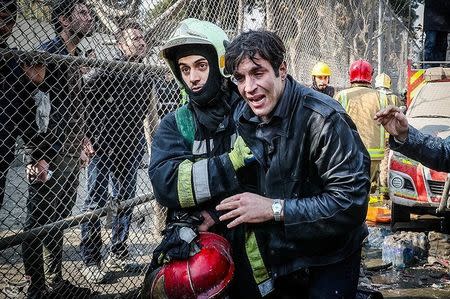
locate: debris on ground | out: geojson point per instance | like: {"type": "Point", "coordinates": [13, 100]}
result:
{"type": "Point", "coordinates": [406, 262]}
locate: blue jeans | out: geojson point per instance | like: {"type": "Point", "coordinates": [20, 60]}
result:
{"type": "Point", "coordinates": [119, 169]}
{"type": "Point", "coordinates": [435, 47]}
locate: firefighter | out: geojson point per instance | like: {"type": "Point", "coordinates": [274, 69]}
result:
{"type": "Point", "coordinates": [321, 73]}
{"type": "Point", "coordinates": [361, 102]}
{"type": "Point", "coordinates": [383, 85]}
{"type": "Point", "coordinates": [308, 214]}
{"type": "Point", "coordinates": [197, 159]}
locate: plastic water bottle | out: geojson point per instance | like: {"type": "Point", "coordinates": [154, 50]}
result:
{"type": "Point", "coordinates": [386, 251]}
{"type": "Point", "coordinates": [403, 254]}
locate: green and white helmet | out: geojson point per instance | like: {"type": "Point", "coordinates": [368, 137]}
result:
{"type": "Point", "coordinates": [194, 31]}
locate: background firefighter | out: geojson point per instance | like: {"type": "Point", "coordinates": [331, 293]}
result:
{"type": "Point", "coordinates": [383, 85]}
{"type": "Point", "coordinates": [361, 102]}
{"type": "Point", "coordinates": [321, 74]}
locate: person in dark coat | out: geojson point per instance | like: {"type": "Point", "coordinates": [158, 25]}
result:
{"type": "Point", "coordinates": [431, 151]}
{"type": "Point", "coordinates": [17, 112]}
{"type": "Point", "coordinates": [436, 25]}
{"type": "Point", "coordinates": [53, 155]}
{"type": "Point", "coordinates": [118, 103]}
{"type": "Point", "coordinates": [308, 213]}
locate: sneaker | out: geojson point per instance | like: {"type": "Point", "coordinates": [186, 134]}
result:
{"type": "Point", "coordinates": [16, 288]}
{"type": "Point", "coordinates": [116, 262]}
{"type": "Point", "coordinates": [11, 292]}
{"type": "Point", "coordinates": [94, 274]}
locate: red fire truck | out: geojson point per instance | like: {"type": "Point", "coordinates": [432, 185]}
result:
{"type": "Point", "coordinates": [414, 188]}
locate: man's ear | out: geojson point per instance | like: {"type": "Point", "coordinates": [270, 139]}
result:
{"type": "Point", "coordinates": [282, 70]}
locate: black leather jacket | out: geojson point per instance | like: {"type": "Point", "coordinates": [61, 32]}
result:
{"type": "Point", "coordinates": [318, 164]}
{"type": "Point", "coordinates": [431, 151]}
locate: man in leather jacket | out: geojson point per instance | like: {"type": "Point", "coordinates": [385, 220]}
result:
{"type": "Point", "coordinates": [433, 152]}
{"type": "Point", "coordinates": [308, 215]}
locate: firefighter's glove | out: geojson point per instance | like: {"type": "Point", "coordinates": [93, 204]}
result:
{"type": "Point", "coordinates": [241, 154]}
{"type": "Point", "coordinates": [178, 241]}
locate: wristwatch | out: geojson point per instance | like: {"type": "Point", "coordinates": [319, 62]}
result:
{"type": "Point", "coordinates": [277, 207]}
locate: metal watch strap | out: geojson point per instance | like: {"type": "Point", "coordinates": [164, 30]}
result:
{"type": "Point", "coordinates": [277, 208]}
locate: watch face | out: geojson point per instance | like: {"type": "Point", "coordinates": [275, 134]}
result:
{"type": "Point", "coordinates": [276, 206]}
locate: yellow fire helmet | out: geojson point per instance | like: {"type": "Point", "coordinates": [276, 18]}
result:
{"type": "Point", "coordinates": [383, 80]}
{"type": "Point", "coordinates": [321, 69]}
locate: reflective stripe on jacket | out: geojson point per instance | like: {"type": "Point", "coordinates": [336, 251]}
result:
{"type": "Point", "coordinates": [185, 172]}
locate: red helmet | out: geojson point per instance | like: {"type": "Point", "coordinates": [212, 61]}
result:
{"type": "Point", "coordinates": [204, 275]}
{"type": "Point", "coordinates": [360, 71]}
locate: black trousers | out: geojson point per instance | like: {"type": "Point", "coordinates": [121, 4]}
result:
{"type": "Point", "coordinates": [339, 281]}
{"type": "Point", "coordinates": [7, 147]}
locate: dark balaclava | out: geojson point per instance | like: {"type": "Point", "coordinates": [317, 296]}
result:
{"type": "Point", "coordinates": [208, 103]}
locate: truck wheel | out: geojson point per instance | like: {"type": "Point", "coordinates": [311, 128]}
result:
{"type": "Point", "coordinates": [399, 213]}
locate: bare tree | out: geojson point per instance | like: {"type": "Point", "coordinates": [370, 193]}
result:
{"type": "Point", "coordinates": [110, 11]}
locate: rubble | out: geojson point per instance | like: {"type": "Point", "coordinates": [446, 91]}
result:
{"type": "Point", "coordinates": [406, 263]}
{"type": "Point", "coordinates": [404, 249]}
{"type": "Point", "coordinates": [439, 245]}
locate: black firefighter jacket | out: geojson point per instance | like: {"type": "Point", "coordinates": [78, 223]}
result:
{"type": "Point", "coordinates": [320, 167]}
{"type": "Point", "coordinates": [193, 174]}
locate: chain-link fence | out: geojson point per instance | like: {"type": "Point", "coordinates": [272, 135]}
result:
{"type": "Point", "coordinates": [83, 89]}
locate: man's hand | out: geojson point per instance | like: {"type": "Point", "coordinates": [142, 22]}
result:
{"type": "Point", "coordinates": [246, 208]}
{"type": "Point", "coordinates": [87, 152]}
{"type": "Point", "coordinates": [241, 154]}
{"type": "Point", "coordinates": [207, 223]}
{"type": "Point", "coordinates": [87, 147]}
{"type": "Point", "coordinates": [394, 122]}
{"type": "Point", "coordinates": [38, 172]}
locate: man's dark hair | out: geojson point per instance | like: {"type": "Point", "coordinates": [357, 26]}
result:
{"type": "Point", "coordinates": [127, 24]}
{"type": "Point", "coordinates": [267, 44]}
{"type": "Point", "coordinates": [63, 8]}
{"type": "Point", "coordinates": [10, 6]}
